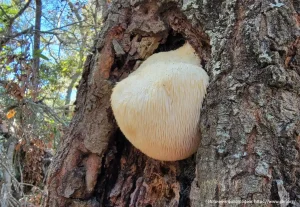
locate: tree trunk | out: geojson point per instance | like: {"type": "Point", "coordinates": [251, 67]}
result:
{"type": "Point", "coordinates": [36, 49]}
{"type": "Point", "coordinates": [250, 122]}
{"type": "Point", "coordinates": [70, 87]}
{"type": "Point", "coordinates": [82, 50]}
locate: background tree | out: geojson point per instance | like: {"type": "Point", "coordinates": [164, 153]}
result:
{"type": "Point", "coordinates": [36, 48]}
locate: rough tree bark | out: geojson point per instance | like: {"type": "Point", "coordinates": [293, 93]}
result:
{"type": "Point", "coordinates": [250, 119]}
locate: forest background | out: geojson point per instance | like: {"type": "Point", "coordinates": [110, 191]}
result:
{"type": "Point", "coordinates": [43, 46]}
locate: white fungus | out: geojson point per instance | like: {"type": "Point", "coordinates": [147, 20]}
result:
{"type": "Point", "coordinates": [157, 107]}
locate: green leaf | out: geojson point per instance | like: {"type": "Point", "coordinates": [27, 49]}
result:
{"type": "Point", "coordinates": [38, 53]}
{"type": "Point", "coordinates": [43, 57]}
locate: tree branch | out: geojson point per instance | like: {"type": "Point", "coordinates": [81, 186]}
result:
{"type": "Point", "coordinates": [5, 13]}
{"type": "Point", "coordinates": [26, 31]}
{"type": "Point", "coordinates": [74, 10]}
{"type": "Point", "coordinates": [20, 12]}
{"type": "Point", "coordinates": [67, 25]}
{"type": "Point", "coordinates": [48, 111]}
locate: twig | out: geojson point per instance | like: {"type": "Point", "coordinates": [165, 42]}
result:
{"type": "Point", "coordinates": [67, 25]}
{"type": "Point", "coordinates": [49, 110]}
{"type": "Point", "coordinates": [27, 184]}
{"type": "Point", "coordinates": [25, 31]}
{"type": "Point", "coordinates": [13, 201]}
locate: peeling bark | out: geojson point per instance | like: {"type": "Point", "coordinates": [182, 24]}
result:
{"type": "Point", "coordinates": [250, 118]}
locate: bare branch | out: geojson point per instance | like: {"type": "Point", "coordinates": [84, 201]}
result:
{"type": "Point", "coordinates": [67, 25]}
{"type": "Point", "coordinates": [48, 111]}
{"type": "Point", "coordinates": [6, 39]}
{"type": "Point", "coordinates": [26, 31]}
{"type": "Point", "coordinates": [75, 11]}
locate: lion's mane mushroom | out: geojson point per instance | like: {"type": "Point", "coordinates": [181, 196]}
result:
{"type": "Point", "coordinates": [157, 107]}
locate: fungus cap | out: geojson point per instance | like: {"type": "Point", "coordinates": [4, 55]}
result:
{"type": "Point", "coordinates": [157, 107]}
